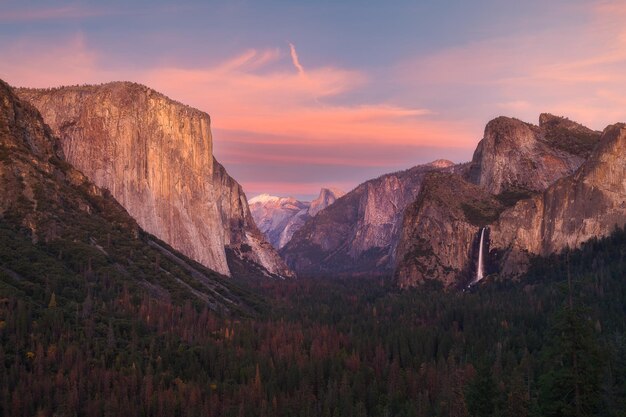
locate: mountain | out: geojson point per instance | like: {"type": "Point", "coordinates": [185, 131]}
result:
{"type": "Point", "coordinates": [326, 197]}
{"type": "Point", "coordinates": [358, 234]}
{"type": "Point", "coordinates": [514, 155]}
{"type": "Point", "coordinates": [535, 189]}
{"type": "Point", "coordinates": [589, 204]}
{"type": "Point", "coordinates": [62, 234]}
{"type": "Point", "coordinates": [280, 217]}
{"type": "Point", "coordinates": [99, 318]}
{"type": "Point", "coordinates": [440, 229]}
{"type": "Point", "coordinates": [155, 157]}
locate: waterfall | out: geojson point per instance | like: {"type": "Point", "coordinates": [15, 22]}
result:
{"type": "Point", "coordinates": [480, 272]}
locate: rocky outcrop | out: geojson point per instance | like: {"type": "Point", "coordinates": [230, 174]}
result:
{"type": "Point", "coordinates": [539, 190]}
{"type": "Point", "coordinates": [155, 157]}
{"type": "Point", "coordinates": [514, 155]}
{"type": "Point", "coordinates": [440, 230]}
{"type": "Point", "coordinates": [76, 234]}
{"type": "Point", "coordinates": [358, 234]}
{"type": "Point", "coordinates": [590, 203]}
{"type": "Point", "coordinates": [242, 237]}
{"type": "Point", "coordinates": [280, 217]}
{"type": "Point", "coordinates": [326, 197]}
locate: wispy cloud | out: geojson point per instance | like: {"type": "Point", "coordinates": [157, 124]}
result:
{"type": "Point", "coordinates": [576, 71]}
{"type": "Point", "coordinates": [262, 112]}
{"type": "Point", "coordinates": [277, 102]}
{"type": "Point", "coordinates": [265, 113]}
{"type": "Point", "coordinates": [295, 59]}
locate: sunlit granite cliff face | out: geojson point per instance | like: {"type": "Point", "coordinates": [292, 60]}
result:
{"type": "Point", "coordinates": [61, 231]}
{"type": "Point", "coordinates": [439, 230]}
{"type": "Point", "coordinates": [518, 155]}
{"type": "Point", "coordinates": [358, 234]}
{"type": "Point", "coordinates": [280, 217]}
{"type": "Point", "coordinates": [155, 157]}
{"type": "Point", "coordinates": [536, 190]}
{"type": "Point", "coordinates": [590, 203]}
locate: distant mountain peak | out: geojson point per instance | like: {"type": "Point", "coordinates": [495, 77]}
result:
{"type": "Point", "coordinates": [333, 190]}
{"type": "Point", "coordinates": [441, 163]}
{"type": "Point", "coordinates": [326, 197]}
{"type": "Point", "coordinates": [280, 217]}
{"type": "Point", "coordinates": [264, 198]}
{"type": "Point", "coordinates": [358, 233]}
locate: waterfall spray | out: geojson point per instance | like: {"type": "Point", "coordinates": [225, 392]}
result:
{"type": "Point", "coordinates": [480, 272]}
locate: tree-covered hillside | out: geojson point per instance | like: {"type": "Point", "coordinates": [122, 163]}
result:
{"type": "Point", "coordinates": [324, 348]}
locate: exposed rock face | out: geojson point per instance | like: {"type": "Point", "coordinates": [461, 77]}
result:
{"type": "Point", "coordinates": [26, 147]}
{"type": "Point", "coordinates": [242, 237]}
{"type": "Point", "coordinates": [358, 234]}
{"type": "Point", "coordinates": [46, 201]}
{"type": "Point", "coordinates": [514, 155]}
{"type": "Point", "coordinates": [280, 217]}
{"type": "Point", "coordinates": [155, 157]}
{"type": "Point", "coordinates": [587, 204]}
{"type": "Point", "coordinates": [440, 228]}
{"type": "Point", "coordinates": [327, 197]}
{"type": "Point", "coordinates": [558, 206]}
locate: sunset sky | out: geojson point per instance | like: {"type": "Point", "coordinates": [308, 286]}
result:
{"type": "Point", "coordinates": [332, 93]}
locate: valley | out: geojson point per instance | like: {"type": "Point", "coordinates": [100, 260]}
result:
{"type": "Point", "coordinates": [329, 346]}
{"type": "Point", "coordinates": [137, 279]}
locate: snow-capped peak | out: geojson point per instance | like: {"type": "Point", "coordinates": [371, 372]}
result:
{"type": "Point", "coordinates": [263, 199]}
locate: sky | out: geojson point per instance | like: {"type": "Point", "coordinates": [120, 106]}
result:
{"type": "Point", "coordinates": [307, 94]}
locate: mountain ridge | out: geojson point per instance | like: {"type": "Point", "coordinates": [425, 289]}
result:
{"type": "Point", "coordinates": [517, 155]}
{"type": "Point", "coordinates": [62, 233]}
{"type": "Point", "coordinates": [155, 155]}
{"type": "Point", "coordinates": [280, 217]}
{"type": "Point", "coordinates": [533, 209]}
{"type": "Point", "coordinates": [358, 233]}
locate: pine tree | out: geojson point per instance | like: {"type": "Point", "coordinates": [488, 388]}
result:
{"type": "Point", "coordinates": [481, 393]}
{"type": "Point", "coordinates": [571, 384]}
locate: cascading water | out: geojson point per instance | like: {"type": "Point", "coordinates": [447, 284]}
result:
{"type": "Point", "coordinates": [480, 271]}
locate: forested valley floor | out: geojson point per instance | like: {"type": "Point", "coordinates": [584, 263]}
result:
{"type": "Point", "coordinates": [74, 341]}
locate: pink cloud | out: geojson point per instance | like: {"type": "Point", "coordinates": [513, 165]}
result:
{"type": "Point", "coordinates": [295, 59]}
{"type": "Point", "coordinates": [579, 72]}
{"type": "Point", "coordinates": [255, 91]}
{"type": "Point", "coordinates": [307, 155]}
{"type": "Point", "coordinates": [292, 188]}
{"type": "Point", "coordinates": [33, 63]}
{"type": "Point", "coordinates": [276, 101]}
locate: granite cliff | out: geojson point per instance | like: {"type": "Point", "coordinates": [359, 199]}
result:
{"type": "Point", "coordinates": [155, 157]}
{"type": "Point", "coordinates": [280, 217]}
{"type": "Point", "coordinates": [326, 197]}
{"type": "Point", "coordinates": [514, 155]}
{"type": "Point", "coordinates": [590, 203]}
{"type": "Point", "coordinates": [358, 234]}
{"type": "Point", "coordinates": [536, 190]}
{"type": "Point", "coordinates": [60, 232]}
{"type": "Point", "coordinates": [440, 230]}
